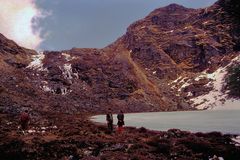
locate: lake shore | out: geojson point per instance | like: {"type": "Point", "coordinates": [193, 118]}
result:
{"type": "Point", "coordinates": [224, 121]}
{"type": "Point", "coordinates": [58, 136]}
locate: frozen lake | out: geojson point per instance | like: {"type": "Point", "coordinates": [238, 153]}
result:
{"type": "Point", "coordinates": [225, 121]}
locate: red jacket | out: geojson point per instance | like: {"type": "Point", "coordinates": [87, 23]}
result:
{"type": "Point", "coordinates": [24, 117]}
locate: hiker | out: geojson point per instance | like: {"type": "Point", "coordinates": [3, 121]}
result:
{"type": "Point", "coordinates": [120, 123]}
{"type": "Point", "coordinates": [109, 119]}
{"type": "Point", "coordinates": [24, 120]}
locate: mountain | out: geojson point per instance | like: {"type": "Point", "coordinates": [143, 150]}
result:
{"type": "Point", "coordinates": [170, 60]}
{"type": "Point", "coordinates": [174, 59]}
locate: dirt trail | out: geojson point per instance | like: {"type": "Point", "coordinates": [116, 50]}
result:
{"type": "Point", "coordinates": [142, 78]}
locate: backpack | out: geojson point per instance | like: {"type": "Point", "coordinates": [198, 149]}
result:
{"type": "Point", "coordinates": [109, 117]}
{"type": "Point", "coordinates": [120, 117]}
{"type": "Point", "coordinates": [24, 117]}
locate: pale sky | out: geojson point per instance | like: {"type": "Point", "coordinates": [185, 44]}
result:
{"type": "Point", "coordinates": [65, 24]}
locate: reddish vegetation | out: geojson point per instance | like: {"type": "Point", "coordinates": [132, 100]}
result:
{"type": "Point", "coordinates": [76, 136]}
{"type": "Point", "coordinates": [133, 74]}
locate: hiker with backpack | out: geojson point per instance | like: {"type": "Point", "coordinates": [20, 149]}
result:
{"type": "Point", "coordinates": [24, 120]}
{"type": "Point", "coordinates": [109, 119]}
{"type": "Point", "coordinates": [120, 123]}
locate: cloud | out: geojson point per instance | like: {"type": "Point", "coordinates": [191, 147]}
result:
{"type": "Point", "coordinates": [19, 21]}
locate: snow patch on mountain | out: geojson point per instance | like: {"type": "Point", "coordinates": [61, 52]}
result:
{"type": "Point", "coordinates": [216, 158]}
{"type": "Point", "coordinates": [45, 87]}
{"type": "Point", "coordinates": [68, 57]}
{"type": "Point", "coordinates": [67, 71]}
{"type": "Point", "coordinates": [174, 82]}
{"type": "Point", "coordinates": [211, 76]}
{"type": "Point", "coordinates": [185, 84]}
{"type": "Point", "coordinates": [180, 83]}
{"type": "Point", "coordinates": [229, 104]}
{"type": "Point", "coordinates": [215, 98]}
{"type": "Point", "coordinates": [37, 62]}
{"type": "Point", "coordinates": [63, 90]}
{"type": "Point", "coordinates": [236, 140]}
{"type": "Point", "coordinates": [54, 89]}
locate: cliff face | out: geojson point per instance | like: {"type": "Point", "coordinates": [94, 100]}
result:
{"type": "Point", "coordinates": [191, 40]}
{"type": "Point", "coordinates": [162, 63]}
{"type": "Point", "coordinates": [185, 47]}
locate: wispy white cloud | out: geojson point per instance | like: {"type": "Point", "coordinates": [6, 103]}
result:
{"type": "Point", "coordinates": [19, 21]}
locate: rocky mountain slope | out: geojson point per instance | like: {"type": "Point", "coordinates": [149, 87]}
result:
{"type": "Point", "coordinates": [170, 60]}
